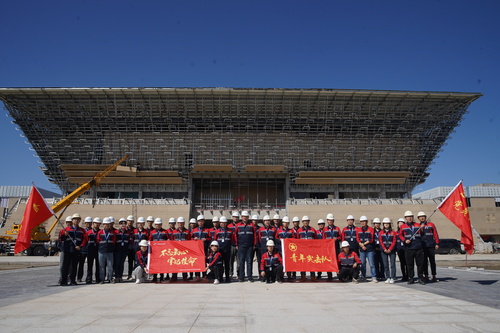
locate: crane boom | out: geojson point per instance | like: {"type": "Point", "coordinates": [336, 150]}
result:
{"type": "Point", "coordinates": [68, 200]}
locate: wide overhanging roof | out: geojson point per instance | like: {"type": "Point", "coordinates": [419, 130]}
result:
{"type": "Point", "coordinates": [302, 129]}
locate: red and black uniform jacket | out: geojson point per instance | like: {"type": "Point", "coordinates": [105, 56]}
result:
{"type": "Point", "coordinates": [141, 259]}
{"type": "Point", "coordinates": [306, 233]}
{"type": "Point", "coordinates": [138, 236]}
{"type": "Point", "coordinates": [376, 241]}
{"type": "Point", "coordinates": [225, 237]}
{"type": "Point", "coordinates": [245, 235]}
{"type": "Point", "coordinates": [79, 236]}
{"type": "Point", "coordinates": [319, 233]}
{"type": "Point", "coordinates": [348, 260]}
{"type": "Point", "coordinates": [349, 234]}
{"type": "Point", "coordinates": [430, 237]}
{"type": "Point", "coordinates": [388, 240]}
{"type": "Point", "coordinates": [270, 260]}
{"type": "Point", "coordinates": [92, 245]}
{"type": "Point", "coordinates": [201, 233]}
{"type": "Point", "coordinates": [181, 235]}
{"type": "Point", "coordinates": [170, 232]}
{"type": "Point", "coordinates": [263, 235]}
{"type": "Point", "coordinates": [214, 259]}
{"type": "Point", "coordinates": [106, 240]}
{"type": "Point", "coordinates": [131, 233]}
{"type": "Point", "coordinates": [332, 232]}
{"type": "Point", "coordinates": [123, 240]}
{"type": "Point", "coordinates": [158, 235]}
{"type": "Point", "coordinates": [407, 231]}
{"type": "Point", "coordinates": [364, 235]}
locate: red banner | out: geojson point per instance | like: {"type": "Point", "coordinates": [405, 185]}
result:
{"type": "Point", "coordinates": [311, 255]}
{"type": "Point", "coordinates": [176, 257]}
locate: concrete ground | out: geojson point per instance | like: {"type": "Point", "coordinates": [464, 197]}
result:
{"type": "Point", "coordinates": [31, 302]}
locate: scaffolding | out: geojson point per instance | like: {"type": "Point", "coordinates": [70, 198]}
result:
{"type": "Point", "coordinates": [300, 129]}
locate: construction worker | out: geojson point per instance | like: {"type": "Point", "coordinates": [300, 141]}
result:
{"type": "Point", "coordinates": [377, 253]}
{"type": "Point", "coordinates": [282, 233]}
{"type": "Point", "coordinates": [365, 239]}
{"type": "Point", "coordinates": [131, 250]}
{"type": "Point", "coordinates": [276, 221]}
{"type": "Point", "coordinates": [401, 252]}
{"type": "Point", "coordinates": [215, 227]}
{"type": "Point", "coordinates": [226, 238]}
{"type": "Point", "coordinates": [122, 247]}
{"type": "Point", "coordinates": [265, 233]}
{"type": "Point", "coordinates": [181, 234]}
{"type": "Point", "coordinates": [203, 234]}
{"type": "Point", "coordinates": [92, 252]}
{"type": "Point", "coordinates": [171, 227]}
{"type": "Point", "coordinates": [83, 257]}
{"type": "Point", "coordinates": [306, 232]}
{"type": "Point", "coordinates": [296, 227]}
{"type": "Point", "coordinates": [192, 224]}
{"type": "Point", "coordinates": [332, 232]}
{"type": "Point", "coordinates": [319, 235]}
{"type": "Point", "coordinates": [140, 272]}
{"type": "Point", "coordinates": [388, 240]}
{"type": "Point", "coordinates": [150, 224]}
{"type": "Point", "coordinates": [246, 242]}
{"type": "Point", "coordinates": [158, 234]}
{"type": "Point", "coordinates": [349, 234]}
{"type": "Point", "coordinates": [349, 264]}
{"type": "Point", "coordinates": [214, 263]}
{"type": "Point", "coordinates": [72, 238]}
{"type": "Point", "coordinates": [271, 264]}
{"type": "Point", "coordinates": [234, 251]}
{"type": "Point", "coordinates": [430, 243]}
{"type": "Point", "coordinates": [139, 233]}
{"type": "Point", "coordinates": [411, 235]}
{"type": "Point", "coordinates": [106, 239]}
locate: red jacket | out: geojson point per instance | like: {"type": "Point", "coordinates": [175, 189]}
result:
{"type": "Point", "coordinates": [309, 233]}
{"type": "Point", "coordinates": [158, 235]}
{"type": "Point", "coordinates": [270, 260]}
{"type": "Point", "coordinates": [387, 240]}
{"type": "Point", "coordinates": [430, 237]}
{"type": "Point", "coordinates": [349, 259]}
{"type": "Point", "coordinates": [366, 235]}
{"type": "Point", "coordinates": [181, 235]}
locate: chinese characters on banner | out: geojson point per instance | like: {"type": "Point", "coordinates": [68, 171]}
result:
{"type": "Point", "coordinates": [311, 255]}
{"type": "Point", "coordinates": [176, 257]}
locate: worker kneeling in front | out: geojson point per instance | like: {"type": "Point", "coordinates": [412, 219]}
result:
{"type": "Point", "coordinates": [271, 264]}
{"type": "Point", "coordinates": [349, 264]}
{"type": "Point", "coordinates": [141, 272]}
{"type": "Point", "coordinates": [214, 263]}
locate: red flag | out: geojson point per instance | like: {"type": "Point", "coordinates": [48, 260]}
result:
{"type": "Point", "coordinates": [454, 207]}
{"type": "Point", "coordinates": [37, 211]}
{"type": "Point", "coordinates": [240, 198]}
{"type": "Point", "coordinates": [313, 255]}
{"type": "Point", "coordinates": [176, 257]}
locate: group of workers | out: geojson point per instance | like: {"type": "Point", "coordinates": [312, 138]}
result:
{"type": "Point", "coordinates": [238, 240]}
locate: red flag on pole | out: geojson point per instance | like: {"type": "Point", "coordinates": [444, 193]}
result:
{"type": "Point", "coordinates": [455, 208]}
{"type": "Point", "coordinates": [37, 211]}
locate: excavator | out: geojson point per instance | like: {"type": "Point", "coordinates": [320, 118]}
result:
{"type": "Point", "coordinates": [40, 238]}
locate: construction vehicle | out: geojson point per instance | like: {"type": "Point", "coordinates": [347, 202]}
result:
{"type": "Point", "coordinates": [41, 245]}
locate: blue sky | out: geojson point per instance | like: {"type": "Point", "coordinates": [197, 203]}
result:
{"type": "Point", "coordinates": [388, 45]}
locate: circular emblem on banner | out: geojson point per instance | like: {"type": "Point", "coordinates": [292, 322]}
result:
{"type": "Point", "coordinates": [292, 247]}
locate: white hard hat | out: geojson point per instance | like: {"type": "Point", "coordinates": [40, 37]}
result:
{"type": "Point", "coordinates": [305, 218]}
{"type": "Point", "coordinates": [244, 213]}
{"type": "Point", "coordinates": [223, 219]}
{"type": "Point", "coordinates": [200, 217]}
{"type": "Point", "coordinates": [329, 217]}
{"type": "Point", "coordinates": [235, 214]}
{"type": "Point", "coordinates": [408, 213]}
{"type": "Point", "coordinates": [255, 217]}
{"type": "Point", "coordinates": [401, 219]}
{"type": "Point", "coordinates": [285, 219]}
{"type": "Point", "coordinates": [150, 218]}
{"type": "Point", "coordinates": [106, 220]}
{"type": "Point", "coordinates": [193, 220]}
{"type": "Point", "coordinates": [266, 217]}
{"type": "Point", "coordinates": [141, 219]}
{"type": "Point", "coordinates": [123, 220]}
{"type": "Point", "coordinates": [376, 220]}
{"type": "Point", "coordinates": [214, 243]}
{"type": "Point", "coordinates": [386, 220]}
{"type": "Point", "coordinates": [143, 243]}
{"type": "Point", "coordinates": [180, 219]}
{"type": "Point", "coordinates": [76, 216]}
{"type": "Point", "coordinates": [421, 214]}
{"type": "Point", "coordinates": [215, 219]}
{"type": "Point", "coordinates": [276, 217]}
{"type": "Point", "coordinates": [158, 220]}
{"type": "Point", "coordinates": [345, 244]}
{"type": "Point", "coordinates": [295, 219]}
{"type": "Point", "coordinates": [171, 220]}
{"type": "Point", "coordinates": [321, 221]}
{"type": "Point", "coordinates": [270, 243]}
{"type": "Point", "coordinates": [88, 219]}
{"type": "Point", "coordinates": [350, 217]}
{"type": "Point", "coordinates": [97, 220]}
{"type": "Point", "coordinates": [69, 218]}
{"type": "Point", "coordinates": [363, 218]}
{"type": "Point", "coordinates": [130, 218]}
{"type": "Point", "coordinates": [112, 219]}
